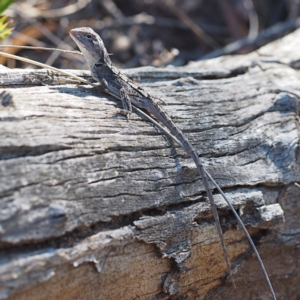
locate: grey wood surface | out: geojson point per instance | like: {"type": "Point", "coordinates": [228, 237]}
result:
{"type": "Point", "coordinates": [93, 206]}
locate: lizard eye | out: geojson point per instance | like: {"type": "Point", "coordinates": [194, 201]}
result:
{"type": "Point", "coordinates": [88, 36]}
{"type": "Point", "coordinates": [98, 65]}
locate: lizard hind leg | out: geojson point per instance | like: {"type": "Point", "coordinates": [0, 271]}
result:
{"type": "Point", "coordinates": [127, 108]}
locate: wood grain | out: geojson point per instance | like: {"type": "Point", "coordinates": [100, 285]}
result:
{"type": "Point", "coordinates": [93, 206]}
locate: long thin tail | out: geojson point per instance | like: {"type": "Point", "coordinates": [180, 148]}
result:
{"type": "Point", "coordinates": [177, 136]}
{"type": "Point", "coordinates": [214, 210]}
{"type": "Point", "coordinates": [167, 121]}
{"type": "Point", "coordinates": [246, 232]}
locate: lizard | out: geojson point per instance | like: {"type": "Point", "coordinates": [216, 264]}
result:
{"type": "Point", "coordinates": [121, 87]}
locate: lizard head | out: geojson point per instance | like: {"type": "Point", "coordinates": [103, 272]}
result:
{"type": "Point", "coordinates": [91, 46]}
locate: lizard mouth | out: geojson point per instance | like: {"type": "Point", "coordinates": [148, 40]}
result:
{"type": "Point", "coordinates": [77, 38]}
{"type": "Point", "coordinates": [73, 33]}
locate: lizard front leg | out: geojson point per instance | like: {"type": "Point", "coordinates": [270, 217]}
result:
{"type": "Point", "coordinates": [103, 86]}
{"type": "Point", "coordinates": [127, 108]}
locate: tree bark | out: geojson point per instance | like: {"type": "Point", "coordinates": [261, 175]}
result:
{"type": "Point", "coordinates": [95, 206]}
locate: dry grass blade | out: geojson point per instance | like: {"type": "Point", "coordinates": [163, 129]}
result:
{"type": "Point", "coordinates": [194, 27]}
{"type": "Point", "coordinates": [45, 66]}
{"type": "Point", "coordinates": [54, 13]}
{"type": "Point", "coordinates": [40, 48]}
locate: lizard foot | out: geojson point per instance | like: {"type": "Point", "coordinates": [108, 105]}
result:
{"type": "Point", "coordinates": [124, 112]}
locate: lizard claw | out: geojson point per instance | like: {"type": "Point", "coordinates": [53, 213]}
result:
{"type": "Point", "coordinates": [125, 113]}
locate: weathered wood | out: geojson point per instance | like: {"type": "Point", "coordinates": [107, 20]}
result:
{"type": "Point", "coordinates": [93, 206]}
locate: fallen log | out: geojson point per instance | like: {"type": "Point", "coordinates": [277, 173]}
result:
{"type": "Point", "coordinates": [93, 206]}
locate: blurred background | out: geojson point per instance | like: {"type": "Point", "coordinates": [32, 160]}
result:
{"type": "Point", "coordinates": [148, 32]}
